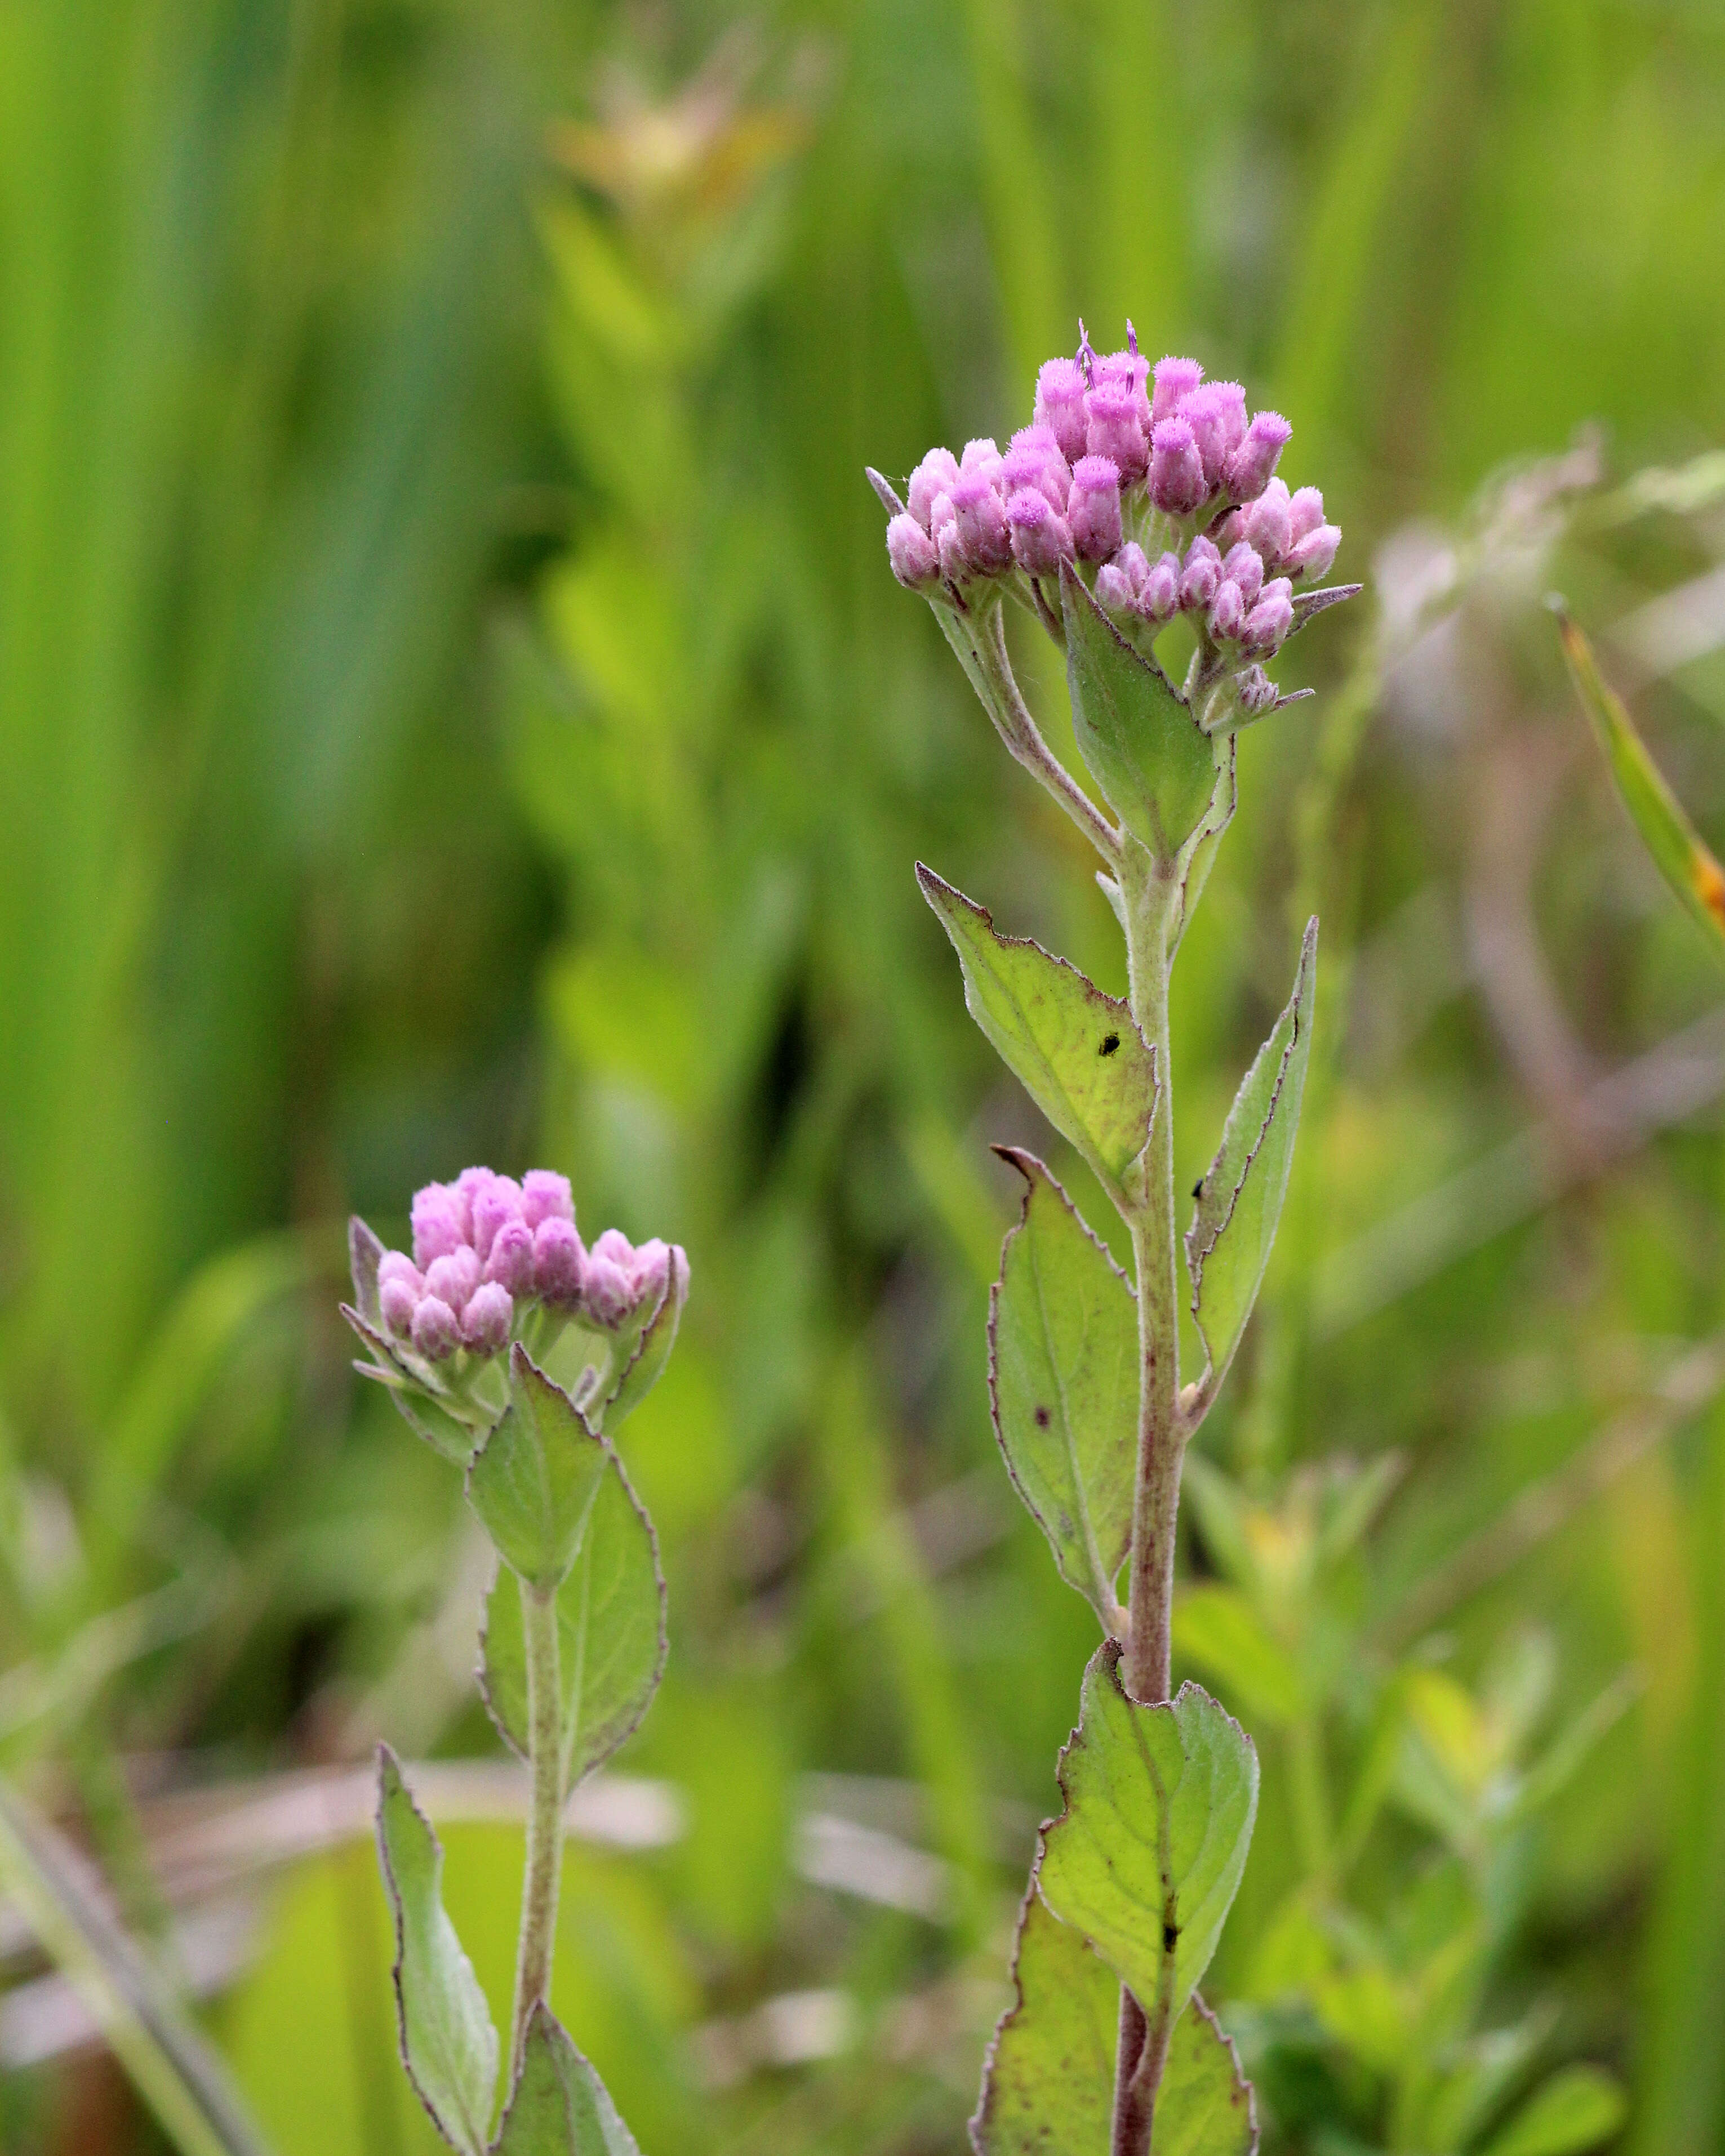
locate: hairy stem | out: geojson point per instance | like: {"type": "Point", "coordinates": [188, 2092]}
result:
{"type": "Point", "coordinates": [1150, 895]}
{"type": "Point", "coordinates": [545, 1816]}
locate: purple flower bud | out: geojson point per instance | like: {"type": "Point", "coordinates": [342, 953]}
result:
{"type": "Point", "coordinates": [559, 1262]}
{"type": "Point", "coordinates": [1177, 482]}
{"type": "Point", "coordinates": [452, 1279]}
{"type": "Point", "coordinates": [441, 1222]}
{"type": "Point", "coordinates": [1199, 581]}
{"type": "Point", "coordinates": [1114, 591]}
{"type": "Point", "coordinates": [1035, 460]}
{"type": "Point", "coordinates": [1040, 540]}
{"type": "Point", "coordinates": [1264, 523]}
{"type": "Point", "coordinates": [1243, 567]}
{"type": "Point", "coordinates": [607, 1288]}
{"type": "Point", "coordinates": [983, 540]}
{"type": "Point", "coordinates": [954, 565]}
{"type": "Point", "coordinates": [435, 1332]}
{"type": "Point", "coordinates": [1311, 556]}
{"type": "Point", "coordinates": [1251, 465]}
{"type": "Point", "coordinates": [1203, 548]}
{"type": "Point", "coordinates": [651, 1272]}
{"type": "Point", "coordinates": [1175, 380]}
{"type": "Point", "coordinates": [1270, 621]}
{"type": "Point", "coordinates": [934, 475]}
{"type": "Point", "coordinates": [510, 1263]}
{"type": "Point", "coordinates": [915, 559]}
{"type": "Point", "coordinates": [499, 1201]}
{"type": "Point", "coordinates": [1227, 611]}
{"type": "Point", "coordinates": [1093, 508]}
{"type": "Point", "coordinates": [1255, 689]}
{"type": "Point", "coordinates": [487, 1318]}
{"type": "Point", "coordinates": [941, 515]}
{"type": "Point", "coordinates": [399, 1288]}
{"type": "Point", "coordinates": [1113, 430]}
{"type": "Point", "coordinates": [1059, 405]}
{"type": "Point", "coordinates": [1128, 370]}
{"type": "Point", "coordinates": [1215, 412]}
{"type": "Point", "coordinates": [982, 456]}
{"type": "Point", "coordinates": [1131, 562]}
{"type": "Point", "coordinates": [1160, 597]}
{"type": "Point", "coordinates": [545, 1196]}
{"type": "Point", "coordinates": [1306, 512]}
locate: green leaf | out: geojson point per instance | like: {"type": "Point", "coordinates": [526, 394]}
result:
{"type": "Point", "coordinates": [447, 2044]}
{"type": "Point", "coordinates": [411, 1382]}
{"type": "Point", "coordinates": [640, 1370]}
{"type": "Point", "coordinates": [1680, 853]}
{"type": "Point", "coordinates": [1048, 2082]}
{"type": "Point", "coordinates": [1076, 1050]}
{"type": "Point", "coordinates": [1240, 1200]}
{"type": "Point", "coordinates": [1217, 817]}
{"type": "Point", "coordinates": [1063, 1380]}
{"type": "Point", "coordinates": [1155, 764]}
{"type": "Point", "coordinates": [534, 1479]}
{"type": "Point", "coordinates": [1577, 2109]}
{"type": "Point", "coordinates": [611, 1636]}
{"type": "Point", "coordinates": [1217, 1628]}
{"type": "Point", "coordinates": [559, 2107]}
{"type": "Point", "coordinates": [1146, 1858]}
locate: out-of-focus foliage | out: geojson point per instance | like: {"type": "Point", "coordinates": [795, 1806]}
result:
{"type": "Point", "coordinates": [453, 706]}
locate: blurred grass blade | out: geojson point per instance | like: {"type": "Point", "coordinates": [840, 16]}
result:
{"type": "Point", "coordinates": [1679, 852]}
{"type": "Point", "coordinates": [175, 2070]}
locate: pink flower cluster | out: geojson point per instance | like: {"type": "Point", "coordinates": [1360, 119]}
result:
{"type": "Point", "coordinates": [485, 1243]}
{"type": "Point", "coordinates": [1111, 439]}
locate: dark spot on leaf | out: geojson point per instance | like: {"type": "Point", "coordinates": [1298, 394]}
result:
{"type": "Point", "coordinates": [1170, 1938]}
{"type": "Point", "coordinates": [1110, 1045]}
{"type": "Point", "coordinates": [1197, 1188]}
{"type": "Point", "coordinates": [1042, 1418]}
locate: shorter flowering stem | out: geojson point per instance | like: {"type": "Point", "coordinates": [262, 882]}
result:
{"type": "Point", "coordinates": [545, 1815]}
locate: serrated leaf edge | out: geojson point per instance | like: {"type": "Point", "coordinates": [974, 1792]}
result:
{"type": "Point", "coordinates": [1195, 1254]}
{"type": "Point", "coordinates": [1119, 1011]}
{"type": "Point", "coordinates": [1029, 1166]}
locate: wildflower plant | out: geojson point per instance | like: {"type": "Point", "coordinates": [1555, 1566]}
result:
{"type": "Point", "coordinates": [1138, 495]}
{"type": "Point", "coordinates": [516, 1351]}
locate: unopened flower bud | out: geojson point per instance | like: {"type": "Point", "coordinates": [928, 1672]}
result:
{"type": "Point", "coordinates": [934, 475]}
{"type": "Point", "coordinates": [941, 515]}
{"type": "Point", "coordinates": [1199, 581]}
{"type": "Point", "coordinates": [1114, 591]}
{"type": "Point", "coordinates": [1093, 508]}
{"type": "Point", "coordinates": [651, 1272]}
{"type": "Point", "coordinates": [1255, 689]}
{"type": "Point", "coordinates": [486, 1320]}
{"type": "Point", "coordinates": [1041, 539]}
{"type": "Point", "coordinates": [1215, 412]}
{"type": "Point", "coordinates": [510, 1262]}
{"type": "Point", "coordinates": [983, 540]}
{"type": "Point", "coordinates": [1311, 556]}
{"type": "Point", "coordinates": [1227, 611]}
{"type": "Point", "coordinates": [452, 1279]}
{"type": "Point", "coordinates": [608, 1290]}
{"type": "Point", "coordinates": [399, 1288]}
{"type": "Point", "coordinates": [558, 1262]}
{"type": "Point", "coordinates": [1131, 370]}
{"type": "Point", "coordinates": [1113, 430]}
{"type": "Point", "coordinates": [1264, 523]}
{"type": "Point", "coordinates": [441, 1222]}
{"type": "Point", "coordinates": [1270, 619]}
{"type": "Point", "coordinates": [1131, 562]}
{"type": "Point", "coordinates": [1060, 389]}
{"type": "Point", "coordinates": [954, 565]}
{"type": "Point", "coordinates": [1242, 565]}
{"type": "Point", "coordinates": [545, 1196]}
{"type": "Point", "coordinates": [915, 559]}
{"type": "Point", "coordinates": [980, 456]}
{"type": "Point", "coordinates": [435, 1333]}
{"type": "Point", "coordinates": [1306, 512]}
{"type": "Point", "coordinates": [1035, 460]}
{"type": "Point", "coordinates": [1161, 598]}
{"type": "Point", "coordinates": [1175, 380]}
{"type": "Point", "coordinates": [499, 1201]}
{"type": "Point", "coordinates": [1249, 467]}
{"type": "Point", "coordinates": [1177, 481]}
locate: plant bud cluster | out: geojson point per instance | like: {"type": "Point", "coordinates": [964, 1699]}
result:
{"type": "Point", "coordinates": [486, 1247]}
{"type": "Point", "coordinates": [1116, 447]}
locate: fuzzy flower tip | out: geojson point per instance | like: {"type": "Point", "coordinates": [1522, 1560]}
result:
{"type": "Point", "coordinates": [1120, 457]}
{"type": "Point", "coordinates": [488, 1250]}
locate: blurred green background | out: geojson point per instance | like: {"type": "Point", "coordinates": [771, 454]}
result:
{"type": "Point", "coordinates": [453, 706]}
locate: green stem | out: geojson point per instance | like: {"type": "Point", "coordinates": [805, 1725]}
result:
{"type": "Point", "coordinates": [1151, 895]}
{"type": "Point", "coordinates": [545, 1816]}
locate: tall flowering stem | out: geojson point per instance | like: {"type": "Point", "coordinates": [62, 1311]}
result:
{"type": "Point", "coordinates": [1136, 497]}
